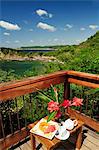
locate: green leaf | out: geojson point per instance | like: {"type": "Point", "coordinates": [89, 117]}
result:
{"type": "Point", "coordinates": [43, 97]}
{"type": "Point", "coordinates": [54, 94]}
{"type": "Point", "coordinates": [51, 116]}
{"type": "Point", "coordinates": [52, 91]}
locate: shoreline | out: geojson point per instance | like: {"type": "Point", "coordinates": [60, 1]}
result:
{"type": "Point", "coordinates": [34, 58]}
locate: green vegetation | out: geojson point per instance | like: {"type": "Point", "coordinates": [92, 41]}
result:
{"type": "Point", "coordinates": [83, 57]}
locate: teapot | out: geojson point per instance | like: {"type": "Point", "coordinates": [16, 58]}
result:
{"type": "Point", "coordinates": [70, 124]}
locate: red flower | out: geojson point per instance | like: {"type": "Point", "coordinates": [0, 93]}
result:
{"type": "Point", "coordinates": [66, 103]}
{"type": "Point", "coordinates": [58, 115]}
{"type": "Point", "coordinates": [53, 106]}
{"type": "Point", "coordinates": [77, 101]}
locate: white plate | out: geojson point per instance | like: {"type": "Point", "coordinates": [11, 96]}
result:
{"type": "Point", "coordinates": [36, 129]}
{"type": "Point", "coordinates": [63, 137]}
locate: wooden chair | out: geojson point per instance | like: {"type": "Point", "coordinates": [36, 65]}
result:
{"type": "Point", "coordinates": [51, 144]}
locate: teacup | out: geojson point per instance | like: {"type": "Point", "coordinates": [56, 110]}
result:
{"type": "Point", "coordinates": [62, 131]}
{"type": "Point", "coordinates": [69, 124]}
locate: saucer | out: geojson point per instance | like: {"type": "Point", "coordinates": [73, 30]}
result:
{"type": "Point", "coordinates": [66, 136]}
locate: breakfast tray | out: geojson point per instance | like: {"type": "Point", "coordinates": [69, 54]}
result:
{"type": "Point", "coordinates": [36, 129]}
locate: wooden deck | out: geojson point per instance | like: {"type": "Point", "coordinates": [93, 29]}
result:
{"type": "Point", "coordinates": [90, 142]}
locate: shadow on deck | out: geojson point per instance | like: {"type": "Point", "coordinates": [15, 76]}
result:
{"type": "Point", "coordinates": [90, 142]}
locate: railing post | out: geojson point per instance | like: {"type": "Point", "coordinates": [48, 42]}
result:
{"type": "Point", "coordinates": [66, 89]}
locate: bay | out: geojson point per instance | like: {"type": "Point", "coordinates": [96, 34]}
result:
{"type": "Point", "coordinates": [35, 50]}
{"type": "Point", "coordinates": [21, 67]}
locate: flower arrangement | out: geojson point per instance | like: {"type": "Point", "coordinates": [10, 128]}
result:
{"type": "Point", "coordinates": [54, 107]}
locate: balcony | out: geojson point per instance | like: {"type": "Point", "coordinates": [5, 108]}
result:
{"type": "Point", "coordinates": [19, 107]}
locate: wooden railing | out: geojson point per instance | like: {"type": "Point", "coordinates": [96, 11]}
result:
{"type": "Point", "coordinates": [14, 93]}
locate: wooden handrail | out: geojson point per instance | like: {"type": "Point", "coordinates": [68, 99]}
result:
{"type": "Point", "coordinates": [29, 85]}
{"type": "Point", "coordinates": [30, 80]}
{"type": "Point", "coordinates": [83, 83]}
{"type": "Point", "coordinates": [94, 124]}
{"type": "Point", "coordinates": [11, 90]}
{"type": "Point", "coordinates": [83, 75]}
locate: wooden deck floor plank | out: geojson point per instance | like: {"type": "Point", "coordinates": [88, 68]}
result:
{"type": "Point", "coordinates": [90, 145]}
{"type": "Point", "coordinates": [84, 147]}
{"type": "Point", "coordinates": [92, 133]}
{"type": "Point", "coordinates": [37, 143]}
{"type": "Point", "coordinates": [92, 139]}
{"type": "Point", "coordinates": [25, 146]}
{"type": "Point", "coordinates": [90, 142]}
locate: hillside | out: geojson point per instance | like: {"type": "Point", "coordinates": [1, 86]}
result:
{"type": "Point", "coordinates": [86, 55]}
{"type": "Point", "coordinates": [91, 43]}
{"type": "Point", "coordinates": [83, 57]}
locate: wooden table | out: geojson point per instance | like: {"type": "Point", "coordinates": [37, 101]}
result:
{"type": "Point", "coordinates": [51, 144]}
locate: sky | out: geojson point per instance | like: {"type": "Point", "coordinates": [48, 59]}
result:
{"type": "Point", "coordinates": [47, 22]}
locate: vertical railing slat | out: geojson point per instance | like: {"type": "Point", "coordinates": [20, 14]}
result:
{"type": "Point", "coordinates": [92, 108]}
{"type": "Point", "coordinates": [82, 95]}
{"type": "Point", "coordinates": [18, 119]}
{"type": "Point", "coordinates": [10, 119]}
{"type": "Point", "coordinates": [24, 108]}
{"type": "Point", "coordinates": [30, 105]}
{"type": "Point", "coordinates": [86, 105]}
{"type": "Point", "coordinates": [1, 124]}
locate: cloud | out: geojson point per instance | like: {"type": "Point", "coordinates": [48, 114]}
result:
{"type": "Point", "coordinates": [9, 26]}
{"type": "Point", "coordinates": [45, 26]}
{"type": "Point", "coordinates": [16, 41]}
{"type": "Point", "coordinates": [78, 40]}
{"type": "Point", "coordinates": [6, 33]}
{"type": "Point", "coordinates": [82, 29]}
{"type": "Point", "coordinates": [42, 12]}
{"type": "Point", "coordinates": [31, 41]}
{"type": "Point", "coordinates": [69, 26]}
{"type": "Point", "coordinates": [55, 40]}
{"type": "Point", "coordinates": [49, 40]}
{"type": "Point", "coordinates": [8, 42]}
{"type": "Point", "coordinates": [30, 30]}
{"type": "Point", "coordinates": [93, 27]}
{"type": "Point", "coordinates": [50, 15]}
